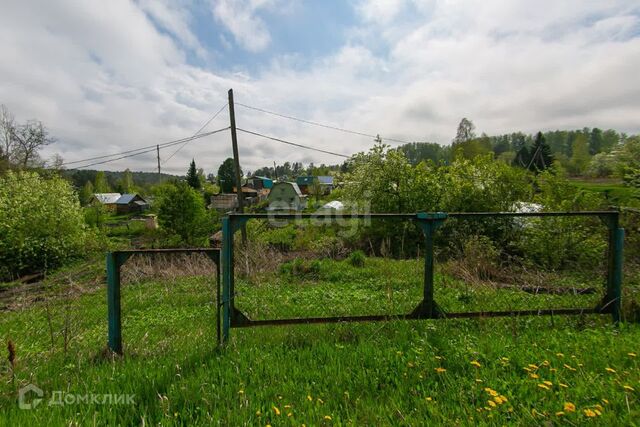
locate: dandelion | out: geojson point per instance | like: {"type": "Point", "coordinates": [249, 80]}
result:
{"type": "Point", "coordinates": [534, 376]}
{"type": "Point", "coordinates": [327, 417]}
{"type": "Point", "coordinates": [544, 386]}
{"type": "Point", "coordinates": [605, 401]}
{"type": "Point", "coordinates": [276, 410]}
{"type": "Point", "coordinates": [560, 355]}
{"type": "Point", "coordinates": [532, 366]}
{"type": "Point", "coordinates": [440, 370]}
{"type": "Point", "coordinates": [320, 400]}
{"type": "Point", "coordinates": [590, 413]}
{"type": "Point", "coordinates": [549, 383]}
{"type": "Point", "coordinates": [628, 388]}
{"type": "Point", "coordinates": [491, 403]}
{"type": "Point", "coordinates": [504, 399]}
{"type": "Point", "coordinates": [569, 407]}
{"type": "Point", "coordinates": [498, 400]}
{"type": "Point", "coordinates": [478, 380]}
{"type": "Point", "coordinates": [553, 370]}
{"type": "Point", "coordinates": [613, 371]}
{"type": "Point", "coordinates": [429, 399]}
{"type": "Point", "coordinates": [631, 354]}
{"type": "Point", "coordinates": [476, 363]}
{"type": "Point", "coordinates": [309, 398]}
{"type": "Point", "coordinates": [287, 406]}
{"type": "Point", "coordinates": [563, 385]}
{"type": "Point", "coordinates": [240, 391]}
{"type": "Point", "coordinates": [545, 363]}
{"type": "Point", "coordinates": [289, 414]}
{"type": "Point", "coordinates": [569, 367]}
{"type": "Point", "coordinates": [491, 391]}
{"type": "Point", "coordinates": [559, 414]}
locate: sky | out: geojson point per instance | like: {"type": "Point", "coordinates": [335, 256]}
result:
{"type": "Point", "coordinates": [110, 76]}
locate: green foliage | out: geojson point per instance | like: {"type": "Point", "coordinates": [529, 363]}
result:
{"type": "Point", "coordinates": [101, 185]}
{"type": "Point", "coordinates": [227, 175]}
{"type": "Point", "coordinates": [193, 179]}
{"type": "Point", "coordinates": [628, 167]}
{"type": "Point", "coordinates": [357, 258]}
{"type": "Point", "coordinates": [41, 224]}
{"type": "Point", "coordinates": [301, 268]}
{"type": "Point", "coordinates": [181, 211]}
{"type": "Point", "coordinates": [126, 184]}
{"type": "Point", "coordinates": [86, 193]}
{"type": "Point", "coordinates": [580, 157]}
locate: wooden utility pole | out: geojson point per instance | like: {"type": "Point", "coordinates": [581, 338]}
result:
{"type": "Point", "coordinates": [158, 151]}
{"type": "Point", "coordinates": [236, 160]}
{"type": "Point", "coordinates": [275, 171]}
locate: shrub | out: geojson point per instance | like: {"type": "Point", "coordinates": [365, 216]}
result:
{"type": "Point", "coordinates": [299, 267]}
{"type": "Point", "coordinates": [357, 258]}
{"type": "Point", "coordinates": [41, 224]}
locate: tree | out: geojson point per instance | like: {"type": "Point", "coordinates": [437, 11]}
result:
{"type": "Point", "coordinates": [29, 139]}
{"type": "Point", "coordinates": [541, 157]}
{"type": "Point", "coordinates": [101, 185]}
{"type": "Point", "coordinates": [86, 193]}
{"type": "Point", "coordinates": [181, 211]}
{"type": "Point", "coordinates": [192, 176]}
{"type": "Point", "coordinates": [126, 184]}
{"type": "Point", "coordinates": [41, 224]}
{"type": "Point", "coordinates": [465, 131]}
{"type": "Point", "coordinates": [227, 175]}
{"type": "Point", "coordinates": [580, 157]}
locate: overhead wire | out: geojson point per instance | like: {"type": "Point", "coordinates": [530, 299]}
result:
{"type": "Point", "coordinates": [197, 132]}
{"type": "Point", "coordinates": [293, 143]}
{"type": "Point", "coordinates": [336, 128]}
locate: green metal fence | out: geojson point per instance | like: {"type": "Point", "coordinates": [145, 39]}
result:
{"type": "Point", "coordinates": [428, 308]}
{"type": "Point", "coordinates": [116, 259]}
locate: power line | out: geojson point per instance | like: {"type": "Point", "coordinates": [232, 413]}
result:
{"type": "Point", "coordinates": [199, 130]}
{"type": "Point", "coordinates": [309, 122]}
{"type": "Point", "coordinates": [293, 143]}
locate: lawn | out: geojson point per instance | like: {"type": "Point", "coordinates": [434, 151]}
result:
{"type": "Point", "coordinates": [528, 370]}
{"type": "Point", "coordinates": [614, 191]}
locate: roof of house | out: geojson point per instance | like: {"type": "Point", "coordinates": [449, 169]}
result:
{"type": "Point", "coordinates": [325, 180]}
{"type": "Point", "coordinates": [125, 199]}
{"type": "Point", "coordinates": [264, 178]}
{"type": "Point", "coordinates": [293, 184]}
{"type": "Point", "coordinates": [107, 198]}
{"type": "Point", "coordinates": [305, 180]}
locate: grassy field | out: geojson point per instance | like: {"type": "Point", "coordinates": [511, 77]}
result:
{"type": "Point", "coordinates": [614, 191]}
{"type": "Point", "coordinates": [526, 371]}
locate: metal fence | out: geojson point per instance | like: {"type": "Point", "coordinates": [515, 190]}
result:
{"type": "Point", "coordinates": [428, 307]}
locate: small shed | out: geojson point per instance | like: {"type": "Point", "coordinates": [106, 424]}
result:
{"type": "Point", "coordinates": [131, 203]}
{"type": "Point", "coordinates": [305, 182]}
{"type": "Point", "coordinates": [286, 196]}
{"type": "Point", "coordinates": [260, 182]}
{"type": "Point", "coordinates": [326, 183]}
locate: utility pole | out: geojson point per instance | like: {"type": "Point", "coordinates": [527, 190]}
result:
{"type": "Point", "coordinates": [275, 171]}
{"type": "Point", "coordinates": [158, 151]}
{"type": "Point", "coordinates": [236, 160]}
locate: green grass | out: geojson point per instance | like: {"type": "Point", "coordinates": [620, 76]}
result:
{"type": "Point", "coordinates": [386, 373]}
{"type": "Point", "coordinates": [616, 192]}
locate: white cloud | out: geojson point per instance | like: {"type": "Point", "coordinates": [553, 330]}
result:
{"type": "Point", "coordinates": [104, 78]}
{"type": "Point", "coordinates": [240, 18]}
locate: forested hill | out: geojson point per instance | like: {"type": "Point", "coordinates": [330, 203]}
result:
{"type": "Point", "coordinates": [142, 179]}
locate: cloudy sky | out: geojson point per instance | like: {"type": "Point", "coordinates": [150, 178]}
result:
{"type": "Point", "coordinates": [109, 76]}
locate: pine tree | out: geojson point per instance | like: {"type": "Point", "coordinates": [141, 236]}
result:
{"type": "Point", "coordinates": [192, 176]}
{"type": "Point", "coordinates": [541, 157]}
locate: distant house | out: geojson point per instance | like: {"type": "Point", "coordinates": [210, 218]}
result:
{"type": "Point", "coordinates": [131, 203]}
{"type": "Point", "coordinates": [108, 200]}
{"type": "Point", "coordinates": [226, 202]}
{"type": "Point", "coordinates": [286, 196]}
{"type": "Point", "coordinates": [307, 183]}
{"type": "Point", "coordinates": [260, 182]}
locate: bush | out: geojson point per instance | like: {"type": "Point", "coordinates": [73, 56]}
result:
{"type": "Point", "coordinates": [301, 268]}
{"type": "Point", "coordinates": [41, 224]}
{"type": "Point", "coordinates": [357, 258]}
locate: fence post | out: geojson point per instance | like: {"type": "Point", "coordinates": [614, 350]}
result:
{"type": "Point", "coordinates": [612, 301]}
{"type": "Point", "coordinates": [429, 223]}
{"type": "Point", "coordinates": [113, 303]}
{"type": "Point", "coordinates": [227, 276]}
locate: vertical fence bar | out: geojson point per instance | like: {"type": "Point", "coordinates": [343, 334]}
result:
{"type": "Point", "coordinates": [615, 292]}
{"type": "Point", "coordinates": [428, 270]}
{"type": "Point", "coordinates": [113, 303]}
{"type": "Point", "coordinates": [227, 276]}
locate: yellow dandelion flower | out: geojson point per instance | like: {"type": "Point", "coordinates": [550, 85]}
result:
{"type": "Point", "coordinates": [527, 369]}
{"type": "Point", "coordinates": [631, 354]}
{"type": "Point", "coordinates": [327, 417]}
{"type": "Point", "coordinates": [569, 407]}
{"type": "Point", "coordinates": [569, 367]}
{"type": "Point", "coordinates": [605, 401]}
{"type": "Point", "coordinates": [559, 414]}
{"type": "Point", "coordinates": [553, 370]}
{"type": "Point", "coordinates": [287, 406]}
{"type": "Point", "coordinates": [428, 399]}
{"type": "Point", "coordinates": [491, 391]}
{"type": "Point", "coordinates": [534, 376]}
{"type": "Point", "coordinates": [559, 354]}
{"type": "Point", "coordinates": [240, 391]}
{"type": "Point", "coordinates": [276, 410]}
{"type": "Point", "coordinates": [590, 413]}
{"type": "Point", "coordinates": [549, 383]}
{"type": "Point", "coordinates": [491, 403]}
{"type": "Point", "coordinates": [598, 407]}
{"type": "Point", "coordinates": [309, 398]}
{"type": "Point", "coordinates": [440, 370]}
{"type": "Point", "coordinates": [545, 363]}
{"type": "Point", "coordinates": [628, 388]}
{"type": "Point", "coordinates": [532, 366]}
{"type": "Point", "coordinates": [478, 380]}
{"type": "Point", "coordinates": [476, 363]}
{"type": "Point", "coordinates": [320, 400]}
{"type": "Point", "coordinates": [563, 385]}
{"type": "Point", "coordinates": [498, 400]}
{"type": "Point", "coordinates": [613, 371]}
{"type": "Point", "coordinates": [268, 425]}
{"type": "Point", "coordinates": [544, 386]}
{"type": "Point", "coordinates": [504, 399]}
